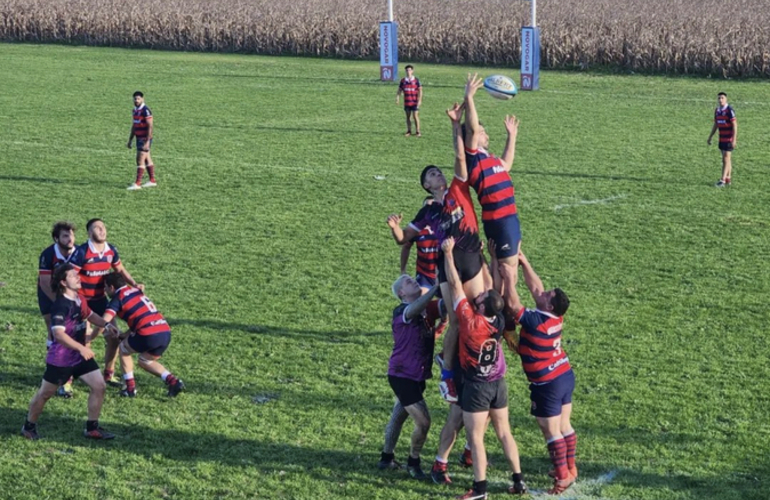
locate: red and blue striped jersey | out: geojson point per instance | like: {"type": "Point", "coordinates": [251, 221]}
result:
{"type": "Point", "coordinates": [411, 90]}
{"type": "Point", "coordinates": [132, 306]}
{"type": "Point", "coordinates": [427, 252]}
{"type": "Point", "coordinates": [542, 357]}
{"type": "Point", "coordinates": [492, 184]}
{"type": "Point", "coordinates": [141, 127]}
{"type": "Point", "coordinates": [725, 120]}
{"type": "Point", "coordinates": [93, 267]}
{"type": "Point", "coordinates": [50, 259]}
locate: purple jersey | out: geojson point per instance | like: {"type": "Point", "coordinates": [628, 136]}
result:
{"type": "Point", "coordinates": [72, 315]}
{"type": "Point", "coordinates": [413, 342]}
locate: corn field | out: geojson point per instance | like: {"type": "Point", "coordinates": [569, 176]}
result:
{"type": "Point", "coordinates": [703, 37]}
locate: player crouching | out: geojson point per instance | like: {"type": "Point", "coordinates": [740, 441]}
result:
{"type": "Point", "coordinates": [150, 334]}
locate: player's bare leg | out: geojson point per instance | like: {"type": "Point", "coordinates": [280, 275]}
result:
{"type": "Point", "coordinates": [149, 363]}
{"type": "Point", "coordinates": [727, 166]}
{"type": "Point", "coordinates": [110, 357]}
{"type": "Point", "coordinates": [475, 425]}
{"type": "Point", "coordinates": [502, 428]}
{"type": "Point", "coordinates": [408, 123]}
{"type": "Point", "coordinates": [41, 397]}
{"type": "Point", "coordinates": [447, 438]}
{"type": "Point", "coordinates": [417, 123]}
{"type": "Point", "coordinates": [96, 383]}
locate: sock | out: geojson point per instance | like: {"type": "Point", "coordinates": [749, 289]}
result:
{"type": "Point", "coordinates": [108, 374]}
{"type": "Point", "coordinates": [517, 477]}
{"type": "Point", "coordinates": [413, 462]}
{"type": "Point", "coordinates": [29, 425]}
{"type": "Point", "coordinates": [164, 375]}
{"type": "Point", "coordinates": [387, 457]}
{"type": "Point", "coordinates": [92, 425]}
{"type": "Point", "coordinates": [139, 175]}
{"type": "Point", "coordinates": [571, 441]}
{"type": "Point", "coordinates": [130, 382]}
{"type": "Point", "coordinates": [480, 486]}
{"type": "Point", "coordinates": [557, 449]}
{"type": "Point", "coordinates": [151, 171]}
{"type": "Point", "coordinates": [440, 460]}
{"type": "Point", "coordinates": [170, 379]}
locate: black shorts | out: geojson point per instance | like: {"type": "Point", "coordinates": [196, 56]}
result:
{"type": "Point", "coordinates": [143, 143]}
{"type": "Point", "coordinates": [547, 399]}
{"type": "Point", "coordinates": [58, 375]}
{"type": "Point", "coordinates": [411, 108]}
{"type": "Point", "coordinates": [483, 396]}
{"type": "Point", "coordinates": [726, 146]}
{"type": "Point", "coordinates": [407, 391]}
{"type": "Point", "coordinates": [468, 265]}
{"type": "Point", "coordinates": [43, 302]}
{"type": "Point", "coordinates": [98, 305]}
{"type": "Point", "coordinates": [151, 344]}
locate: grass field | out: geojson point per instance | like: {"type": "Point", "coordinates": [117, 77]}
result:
{"type": "Point", "coordinates": [265, 246]}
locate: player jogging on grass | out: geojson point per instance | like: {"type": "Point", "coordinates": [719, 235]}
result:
{"type": "Point", "coordinates": [727, 124]}
{"type": "Point", "coordinates": [95, 259]}
{"type": "Point", "coordinates": [412, 89]}
{"type": "Point", "coordinates": [69, 354]}
{"type": "Point", "coordinates": [63, 234]}
{"type": "Point", "coordinates": [546, 364]}
{"type": "Point", "coordinates": [484, 392]}
{"type": "Point", "coordinates": [409, 367]}
{"type": "Point", "coordinates": [149, 334]}
{"type": "Point", "coordinates": [142, 128]}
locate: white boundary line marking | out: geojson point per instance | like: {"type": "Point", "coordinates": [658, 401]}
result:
{"type": "Point", "coordinates": [590, 202]}
{"type": "Point", "coordinates": [581, 490]}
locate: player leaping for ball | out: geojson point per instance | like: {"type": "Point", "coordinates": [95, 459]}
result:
{"type": "Point", "coordinates": [149, 336]}
{"type": "Point", "coordinates": [142, 129]}
{"type": "Point", "coordinates": [551, 378]}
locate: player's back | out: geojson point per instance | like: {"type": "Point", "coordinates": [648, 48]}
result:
{"type": "Point", "coordinates": [492, 184]}
{"type": "Point", "coordinates": [139, 312]}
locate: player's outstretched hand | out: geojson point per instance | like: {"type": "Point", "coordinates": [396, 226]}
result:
{"type": "Point", "coordinates": [394, 220]}
{"type": "Point", "coordinates": [472, 84]}
{"type": "Point", "coordinates": [140, 286]}
{"type": "Point", "coordinates": [447, 245]}
{"type": "Point", "coordinates": [512, 125]}
{"type": "Point", "coordinates": [492, 249]}
{"type": "Point", "coordinates": [455, 113]}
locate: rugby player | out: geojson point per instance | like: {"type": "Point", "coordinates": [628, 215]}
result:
{"type": "Point", "coordinates": [149, 336]}
{"type": "Point", "coordinates": [484, 392]}
{"type": "Point", "coordinates": [408, 369]}
{"type": "Point", "coordinates": [142, 129]}
{"type": "Point", "coordinates": [412, 89]}
{"type": "Point", "coordinates": [727, 124]}
{"type": "Point", "coordinates": [69, 354]}
{"type": "Point", "coordinates": [94, 259]}
{"type": "Point", "coordinates": [63, 235]}
{"type": "Point", "coordinates": [490, 178]}
{"type": "Point", "coordinates": [546, 364]}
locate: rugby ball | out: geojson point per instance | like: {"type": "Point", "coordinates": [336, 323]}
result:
{"type": "Point", "coordinates": [500, 87]}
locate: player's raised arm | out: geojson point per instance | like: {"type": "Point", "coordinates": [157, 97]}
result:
{"type": "Point", "coordinates": [455, 285]}
{"type": "Point", "coordinates": [531, 278]}
{"type": "Point", "coordinates": [402, 236]}
{"type": "Point", "coordinates": [416, 308]}
{"type": "Point", "coordinates": [472, 126]}
{"type": "Point", "coordinates": [512, 127]}
{"type": "Point", "coordinates": [455, 114]}
{"type": "Point", "coordinates": [406, 249]}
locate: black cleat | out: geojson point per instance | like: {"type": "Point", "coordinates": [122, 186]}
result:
{"type": "Point", "coordinates": [388, 465]}
{"type": "Point", "coordinates": [439, 474]}
{"type": "Point", "coordinates": [98, 433]}
{"type": "Point", "coordinates": [416, 472]}
{"type": "Point", "coordinates": [30, 434]}
{"type": "Point", "coordinates": [174, 390]}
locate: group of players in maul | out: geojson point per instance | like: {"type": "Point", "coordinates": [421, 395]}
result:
{"type": "Point", "coordinates": [478, 309]}
{"type": "Point", "coordinates": [81, 290]}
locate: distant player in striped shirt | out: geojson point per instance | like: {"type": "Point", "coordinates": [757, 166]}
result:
{"type": "Point", "coordinates": [149, 335]}
{"type": "Point", "coordinates": [551, 378]}
{"type": "Point", "coordinates": [412, 89]}
{"type": "Point", "coordinates": [142, 129]}
{"type": "Point", "coordinates": [727, 124]}
{"type": "Point", "coordinates": [95, 259]}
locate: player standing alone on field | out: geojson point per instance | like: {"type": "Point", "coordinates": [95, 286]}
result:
{"type": "Point", "coordinates": [551, 378]}
{"type": "Point", "coordinates": [412, 90]}
{"type": "Point", "coordinates": [727, 124]}
{"type": "Point", "coordinates": [142, 129]}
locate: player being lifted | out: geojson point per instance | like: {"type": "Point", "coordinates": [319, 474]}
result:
{"type": "Point", "coordinates": [69, 354]}
{"type": "Point", "coordinates": [63, 235]}
{"type": "Point", "coordinates": [142, 129]}
{"type": "Point", "coordinates": [551, 378]}
{"type": "Point", "coordinates": [94, 259]}
{"type": "Point", "coordinates": [149, 335]}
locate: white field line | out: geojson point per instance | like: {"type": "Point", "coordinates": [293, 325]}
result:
{"type": "Point", "coordinates": [581, 203]}
{"type": "Point", "coordinates": [653, 97]}
{"type": "Point", "coordinates": [589, 489]}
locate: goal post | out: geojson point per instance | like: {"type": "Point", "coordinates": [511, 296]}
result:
{"type": "Point", "coordinates": [530, 53]}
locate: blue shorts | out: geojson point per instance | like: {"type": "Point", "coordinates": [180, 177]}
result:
{"type": "Point", "coordinates": [142, 142]}
{"type": "Point", "coordinates": [547, 399]}
{"type": "Point", "coordinates": [506, 234]}
{"type": "Point", "coordinates": [726, 146]}
{"type": "Point", "coordinates": [425, 282]}
{"type": "Point", "coordinates": [411, 108]}
{"type": "Point", "coordinates": [98, 305]}
{"type": "Point", "coordinates": [151, 344]}
{"type": "Point", "coordinates": [43, 302]}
